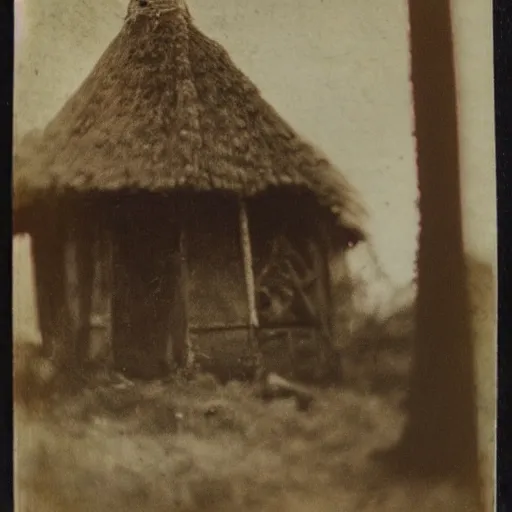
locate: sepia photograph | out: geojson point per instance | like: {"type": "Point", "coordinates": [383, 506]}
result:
{"type": "Point", "coordinates": [254, 256]}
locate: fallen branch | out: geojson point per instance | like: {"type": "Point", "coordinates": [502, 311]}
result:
{"type": "Point", "coordinates": [275, 387]}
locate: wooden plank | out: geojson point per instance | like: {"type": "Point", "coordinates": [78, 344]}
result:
{"type": "Point", "coordinates": [216, 273]}
{"type": "Point", "coordinates": [120, 306]}
{"type": "Point", "coordinates": [269, 326]}
{"type": "Point", "coordinates": [181, 344]}
{"type": "Point", "coordinates": [330, 363]}
{"type": "Point", "coordinates": [321, 293]}
{"type": "Point", "coordinates": [308, 307]}
{"type": "Point", "coordinates": [47, 249]}
{"type": "Point", "coordinates": [217, 327]}
{"type": "Point", "coordinates": [79, 275]}
{"type": "Point", "coordinates": [101, 307]}
{"type": "Point", "coordinates": [52, 288]}
{"type": "Point", "coordinates": [324, 245]}
{"type": "Point", "coordinates": [245, 240]}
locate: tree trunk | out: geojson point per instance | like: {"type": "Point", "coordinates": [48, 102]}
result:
{"type": "Point", "coordinates": [440, 437]}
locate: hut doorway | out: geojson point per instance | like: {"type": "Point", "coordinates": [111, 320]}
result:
{"type": "Point", "coordinates": [145, 278]}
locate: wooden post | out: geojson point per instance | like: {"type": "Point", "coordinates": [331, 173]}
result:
{"type": "Point", "coordinates": [181, 344]}
{"type": "Point", "coordinates": [47, 252]}
{"type": "Point", "coordinates": [325, 248]}
{"type": "Point", "coordinates": [328, 360]}
{"type": "Point", "coordinates": [79, 274]}
{"type": "Point", "coordinates": [245, 241]}
{"type": "Point", "coordinates": [101, 308]}
{"type": "Point", "coordinates": [52, 285]}
{"type": "Point", "coordinates": [63, 353]}
{"type": "Point", "coordinates": [120, 304]}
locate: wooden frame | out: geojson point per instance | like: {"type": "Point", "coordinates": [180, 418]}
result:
{"type": "Point", "coordinates": [77, 292]}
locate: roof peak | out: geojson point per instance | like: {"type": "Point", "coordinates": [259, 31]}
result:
{"type": "Point", "coordinates": [165, 108]}
{"type": "Point", "coordinates": [136, 7]}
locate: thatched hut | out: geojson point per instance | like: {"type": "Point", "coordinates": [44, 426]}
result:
{"type": "Point", "coordinates": [169, 200]}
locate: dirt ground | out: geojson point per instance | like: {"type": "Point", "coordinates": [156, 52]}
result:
{"type": "Point", "coordinates": [107, 444]}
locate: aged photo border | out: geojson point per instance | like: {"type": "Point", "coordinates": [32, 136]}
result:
{"type": "Point", "coordinates": [6, 113]}
{"type": "Point", "coordinates": [503, 42]}
{"type": "Point", "coordinates": [503, 114]}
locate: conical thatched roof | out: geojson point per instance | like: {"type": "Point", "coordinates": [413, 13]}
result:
{"type": "Point", "coordinates": [166, 108]}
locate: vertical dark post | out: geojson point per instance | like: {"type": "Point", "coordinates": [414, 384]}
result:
{"type": "Point", "coordinates": [49, 290]}
{"type": "Point", "coordinates": [120, 304]}
{"type": "Point", "coordinates": [101, 305]}
{"type": "Point", "coordinates": [79, 276]}
{"type": "Point", "coordinates": [48, 248]}
{"type": "Point", "coordinates": [328, 361]}
{"type": "Point", "coordinates": [440, 437]}
{"type": "Point", "coordinates": [182, 349]}
{"type": "Point", "coordinates": [324, 246]}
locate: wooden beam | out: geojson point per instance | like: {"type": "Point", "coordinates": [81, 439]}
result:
{"type": "Point", "coordinates": [253, 321]}
{"type": "Point", "coordinates": [182, 348]}
{"type": "Point", "coordinates": [248, 266]}
{"type": "Point", "coordinates": [325, 244]}
{"type": "Point", "coordinates": [46, 252]}
{"type": "Point", "coordinates": [79, 274]}
{"type": "Point", "coordinates": [308, 308]}
{"type": "Point", "coordinates": [63, 352]}
{"type": "Point", "coordinates": [102, 293]}
{"type": "Point", "coordinates": [242, 326]}
{"type": "Point", "coordinates": [275, 386]}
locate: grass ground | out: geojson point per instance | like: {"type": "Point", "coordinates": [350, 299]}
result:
{"type": "Point", "coordinates": [195, 445]}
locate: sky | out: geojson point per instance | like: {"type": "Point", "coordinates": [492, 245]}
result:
{"type": "Point", "coordinates": [337, 70]}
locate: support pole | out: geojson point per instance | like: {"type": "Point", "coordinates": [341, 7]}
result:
{"type": "Point", "coordinates": [79, 275]}
{"type": "Point", "coordinates": [48, 273]}
{"type": "Point", "coordinates": [253, 322]}
{"type": "Point", "coordinates": [184, 353]}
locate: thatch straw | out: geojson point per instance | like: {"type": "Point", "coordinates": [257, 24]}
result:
{"type": "Point", "coordinates": [166, 108]}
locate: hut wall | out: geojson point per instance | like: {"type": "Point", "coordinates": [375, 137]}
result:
{"type": "Point", "coordinates": [157, 276]}
{"type": "Point", "coordinates": [62, 252]}
{"type": "Point", "coordinates": [226, 353]}
{"type": "Point", "coordinates": [289, 252]}
{"type": "Point", "coordinates": [218, 306]}
{"type": "Point", "coordinates": [145, 248]}
{"type": "Point", "coordinates": [48, 257]}
{"type": "Point", "coordinates": [342, 290]}
{"type": "Point", "coordinates": [101, 318]}
{"type": "Point", "coordinates": [291, 266]}
{"type": "Point", "coordinates": [179, 350]}
{"type": "Point", "coordinates": [217, 291]}
{"type": "Point", "coordinates": [79, 274]}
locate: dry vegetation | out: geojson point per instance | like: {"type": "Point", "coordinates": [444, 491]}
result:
{"type": "Point", "coordinates": [106, 444]}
